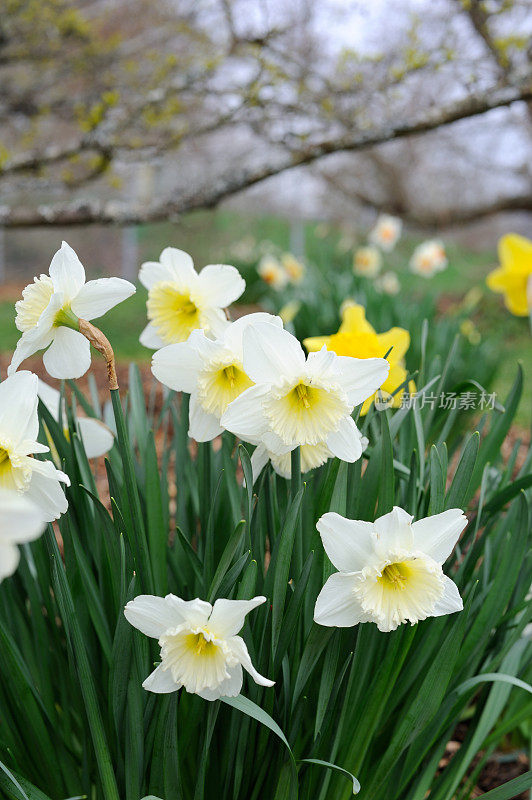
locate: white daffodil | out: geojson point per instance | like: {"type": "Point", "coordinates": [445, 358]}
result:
{"type": "Point", "coordinates": [200, 650]}
{"type": "Point", "coordinates": [19, 427]}
{"type": "Point", "coordinates": [20, 521]}
{"type": "Point", "coordinates": [272, 272]}
{"type": "Point", "coordinates": [311, 455]}
{"type": "Point", "coordinates": [97, 438]}
{"type": "Point", "coordinates": [388, 283]}
{"type": "Point", "coordinates": [367, 261]}
{"type": "Point", "coordinates": [211, 371]}
{"type": "Point", "coordinates": [386, 232]}
{"type": "Point", "coordinates": [428, 258]}
{"type": "Point", "coordinates": [49, 311]}
{"type": "Point", "coordinates": [390, 569]}
{"type": "Point", "coordinates": [295, 269]}
{"type": "Point", "coordinates": [180, 300]}
{"type": "Point", "coordinates": [301, 401]}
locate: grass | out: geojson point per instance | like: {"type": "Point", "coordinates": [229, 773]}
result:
{"type": "Point", "coordinates": [210, 236]}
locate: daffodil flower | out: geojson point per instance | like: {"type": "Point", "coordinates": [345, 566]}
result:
{"type": "Point", "coordinates": [20, 521]}
{"type": "Point", "coordinates": [388, 283]}
{"type": "Point", "coordinates": [49, 312]}
{"type": "Point", "coordinates": [386, 232]}
{"type": "Point", "coordinates": [312, 456]}
{"type": "Point", "coordinates": [97, 438]}
{"type": "Point", "coordinates": [390, 570]}
{"type": "Point", "coordinates": [181, 300]}
{"type": "Point", "coordinates": [428, 258]}
{"type": "Point", "coordinates": [200, 649]}
{"type": "Point", "coordinates": [272, 272]}
{"type": "Point", "coordinates": [19, 428]}
{"type": "Point", "coordinates": [298, 400]}
{"type": "Point", "coordinates": [357, 337]}
{"type": "Point", "coordinates": [211, 371]}
{"type": "Point", "coordinates": [367, 261]}
{"type": "Point", "coordinates": [295, 269]}
{"type": "Point", "coordinates": [513, 278]}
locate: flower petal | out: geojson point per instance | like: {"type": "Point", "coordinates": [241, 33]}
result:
{"type": "Point", "coordinates": [96, 298]}
{"type": "Point", "coordinates": [234, 332]}
{"type": "Point", "coordinates": [9, 558]}
{"type": "Point", "coordinates": [337, 605]}
{"type": "Point", "coordinates": [437, 535]}
{"type": "Point", "coordinates": [67, 272]}
{"type": "Point", "coordinates": [202, 427]}
{"type": "Point", "coordinates": [230, 687]}
{"type": "Point", "coordinates": [271, 353]}
{"type": "Point", "coordinates": [150, 338]}
{"type": "Point", "coordinates": [361, 377]}
{"type": "Point", "coordinates": [349, 543]}
{"type": "Point", "coordinates": [228, 616]}
{"type": "Point", "coordinates": [18, 407]}
{"type": "Point", "coordinates": [69, 355]}
{"type": "Point", "coordinates": [160, 681]}
{"type": "Point", "coordinates": [97, 438]}
{"type": "Point", "coordinates": [394, 531]}
{"type": "Point", "coordinates": [20, 519]}
{"type": "Point", "coordinates": [220, 285]}
{"type": "Point", "coordinates": [180, 265]}
{"type": "Point", "coordinates": [239, 649]}
{"type": "Point", "coordinates": [153, 615]}
{"type": "Point", "coordinates": [259, 459]}
{"type": "Point", "coordinates": [450, 602]}
{"type": "Point", "coordinates": [347, 443]}
{"type": "Point", "coordinates": [244, 416]}
{"type": "Point", "coordinates": [50, 397]}
{"type": "Point", "coordinates": [45, 489]}
{"type": "Point", "coordinates": [177, 366]}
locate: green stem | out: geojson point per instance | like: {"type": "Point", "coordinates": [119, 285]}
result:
{"type": "Point", "coordinates": [124, 445]}
{"type": "Point", "coordinates": [205, 492]}
{"type": "Point", "coordinates": [295, 486]}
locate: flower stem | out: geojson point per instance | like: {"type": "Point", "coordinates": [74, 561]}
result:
{"type": "Point", "coordinates": [295, 486]}
{"type": "Point", "coordinates": [102, 345]}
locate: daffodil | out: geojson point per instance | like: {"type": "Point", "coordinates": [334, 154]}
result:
{"type": "Point", "coordinates": [513, 278]}
{"type": "Point", "coordinates": [367, 261]}
{"type": "Point", "coordinates": [97, 438]}
{"type": "Point", "coordinates": [390, 570]}
{"type": "Point", "coordinates": [388, 283]}
{"type": "Point", "coordinates": [294, 268]}
{"type": "Point", "coordinates": [20, 521]}
{"type": "Point", "coordinates": [357, 338]}
{"type": "Point", "coordinates": [48, 314]}
{"type": "Point", "coordinates": [301, 401]}
{"type": "Point", "coordinates": [386, 232]}
{"type": "Point", "coordinates": [200, 649]}
{"type": "Point", "coordinates": [181, 300]}
{"type": "Point", "coordinates": [39, 480]}
{"type": "Point", "coordinates": [211, 371]}
{"type": "Point", "coordinates": [272, 272]}
{"type": "Point", "coordinates": [428, 258]}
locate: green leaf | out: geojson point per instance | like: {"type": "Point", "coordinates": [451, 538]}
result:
{"type": "Point", "coordinates": [281, 567]}
{"type": "Point", "coordinates": [328, 765]}
{"type": "Point", "coordinates": [511, 789]}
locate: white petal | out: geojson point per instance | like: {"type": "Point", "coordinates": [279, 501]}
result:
{"type": "Point", "coordinates": [214, 321]}
{"type": "Point", "coordinates": [45, 490]}
{"type": "Point", "coordinates": [177, 366]}
{"type": "Point", "coordinates": [202, 427]}
{"type": "Point", "coordinates": [347, 542]}
{"type": "Point", "coordinates": [233, 333]}
{"type": "Point", "coordinates": [150, 338]}
{"type": "Point", "coordinates": [220, 285]}
{"type": "Point", "coordinates": [271, 353]}
{"type": "Point", "coordinates": [98, 297]}
{"type": "Point", "coordinates": [153, 615]}
{"type": "Point", "coordinates": [347, 443]}
{"type": "Point", "coordinates": [97, 438]}
{"type": "Point", "coordinates": [9, 558]}
{"type": "Point", "coordinates": [230, 687]}
{"type": "Point", "coordinates": [437, 535]}
{"type": "Point", "coordinates": [33, 340]}
{"type": "Point", "coordinates": [69, 355]}
{"type": "Point", "coordinates": [228, 616]}
{"type": "Point", "coordinates": [259, 459]}
{"type": "Point", "coordinates": [239, 649]}
{"type": "Point", "coordinates": [451, 600]}
{"type": "Point", "coordinates": [180, 265]}
{"type": "Point", "coordinates": [361, 377]}
{"type": "Point", "coordinates": [152, 272]}
{"type": "Point", "coordinates": [18, 407]}
{"type": "Point", "coordinates": [244, 415]}
{"type": "Point", "coordinates": [67, 272]}
{"type": "Point", "coordinates": [50, 397]}
{"type": "Point", "coordinates": [20, 519]}
{"type": "Point", "coordinates": [337, 605]}
{"type": "Point", "coordinates": [160, 681]}
{"type": "Point", "coordinates": [393, 531]}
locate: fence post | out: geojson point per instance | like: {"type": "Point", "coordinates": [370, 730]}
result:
{"type": "Point", "coordinates": [297, 238]}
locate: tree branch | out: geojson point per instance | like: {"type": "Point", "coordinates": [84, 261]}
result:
{"type": "Point", "coordinates": [97, 212]}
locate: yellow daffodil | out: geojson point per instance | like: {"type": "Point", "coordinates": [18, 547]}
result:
{"type": "Point", "coordinates": [294, 268]}
{"type": "Point", "coordinates": [513, 278]}
{"type": "Point", "coordinates": [357, 338]}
